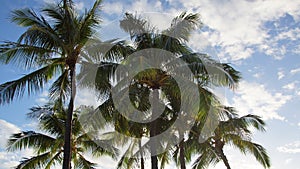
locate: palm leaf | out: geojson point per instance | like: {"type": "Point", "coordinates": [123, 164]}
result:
{"type": "Point", "coordinates": [56, 159]}
{"type": "Point", "coordinates": [34, 82]}
{"type": "Point", "coordinates": [83, 163]}
{"type": "Point", "coordinates": [34, 162]}
{"type": "Point", "coordinates": [60, 88]}
{"type": "Point", "coordinates": [23, 55]}
{"type": "Point", "coordinates": [257, 150]}
{"type": "Point", "coordinates": [29, 139]}
{"type": "Point", "coordinates": [183, 25]}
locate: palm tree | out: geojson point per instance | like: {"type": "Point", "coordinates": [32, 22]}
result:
{"type": "Point", "coordinates": [150, 82]}
{"type": "Point", "coordinates": [48, 144]}
{"type": "Point", "coordinates": [174, 40]}
{"type": "Point", "coordinates": [233, 130]}
{"type": "Point", "coordinates": [51, 46]}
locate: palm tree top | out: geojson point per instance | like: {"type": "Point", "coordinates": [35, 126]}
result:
{"type": "Point", "coordinates": [48, 144]}
{"type": "Point", "coordinates": [50, 45]}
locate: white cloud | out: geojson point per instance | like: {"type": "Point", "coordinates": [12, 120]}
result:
{"type": "Point", "coordinates": [292, 34]}
{"type": "Point", "coordinates": [257, 75]}
{"type": "Point", "coordinates": [142, 6]}
{"type": "Point", "coordinates": [50, 1]}
{"type": "Point", "coordinates": [113, 8]}
{"type": "Point", "coordinates": [280, 74]}
{"type": "Point", "coordinates": [296, 50]}
{"type": "Point", "coordinates": [86, 97]}
{"type": "Point", "coordinates": [6, 130]}
{"type": "Point", "coordinates": [10, 159]}
{"type": "Point", "coordinates": [138, 7]}
{"type": "Point", "coordinates": [292, 148]}
{"type": "Point", "coordinates": [33, 125]}
{"type": "Point", "coordinates": [239, 25]}
{"type": "Point", "coordinates": [294, 71]}
{"type": "Point", "coordinates": [254, 98]}
{"type": "Point", "coordinates": [79, 6]}
{"type": "Point", "coordinates": [277, 52]}
{"type": "Point", "coordinates": [288, 161]}
{"type": "Point", "coordinates": [43, 98]}
{"type": "Point", "coordinates": [290, 86]}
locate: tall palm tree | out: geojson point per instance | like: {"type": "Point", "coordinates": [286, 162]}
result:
{"type": "Point", "coordinates": [232, 130]}
{"type": "Point", "coordinates": [51, 46]}
{"type": "Point", "coordinates": [147, 83]}
{"type": "Point", "coordinates": [48, 144]}
{"type": "Point", "coordinates": [174, 40]}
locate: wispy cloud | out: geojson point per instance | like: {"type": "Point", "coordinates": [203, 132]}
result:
{"type": "Point", "coordinates": [294, 71]}
{"type": "Point", "coordinates": [293, 147]}
{"type": "Point", "coordinates": [280, 74]}
{"type": "Point", "coordinates": [254, 98]}
{"type": "Point", "coordinates": [86, 97]}
{"type": "Point", "coordinates": [42, 98]}
{"type": "Point", "coordinates": [290, 86]}
{"type": "Point", "coordinates": [10, 159]}
{"type": "Point", "coordinates": [6, 129]}
{"type": "Point", "coordinates": [238, 26]}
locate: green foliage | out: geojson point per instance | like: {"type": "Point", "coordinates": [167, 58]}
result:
{"type": "Point", "coordinates": [48, 145]}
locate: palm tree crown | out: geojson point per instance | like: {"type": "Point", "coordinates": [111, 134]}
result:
{"type": "Point", "coordinates": [51, 47]}
{"type": "Point", "coordinates": [147, 83]}
{"type": "Point", "coordinates": [232, 130]}
{"type": "Point", "coordinates": [48, 144]}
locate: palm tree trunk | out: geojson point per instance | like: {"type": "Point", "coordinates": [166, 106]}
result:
{"type": "Point", "coordinates": [181, 154]}
{"type": "Point", "coordinates": [68, 124]}
{"type": "Point", "coordinates": [224, 159]}
{"type": "Point", "coordinates": [141, 154]}
{"type": "Point", "coordinates": [153, 131]}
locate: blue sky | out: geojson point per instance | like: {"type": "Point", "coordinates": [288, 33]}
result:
{"type": "Point", "coordinates": [260, 38]}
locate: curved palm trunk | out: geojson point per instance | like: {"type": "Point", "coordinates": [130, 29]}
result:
{"type": "Point", "coordinates": [141, 154]}
{"type": "Point", "coordinates": [224, 159]}
{"type": "Point", "coordinates": [181, 154]}
{"type": "Point", "coordinates": [220, 152]}
{"type": "Point", "coordinates": [153, 131]}
{"type": "Point", "coordinates": [68, 124]}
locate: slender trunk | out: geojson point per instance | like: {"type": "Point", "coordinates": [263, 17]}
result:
{"type": "Point", "coordinates": [224, 159]}
{"type": "Point", "coordinates": [68, 124]}
{"type": "Point", "coordinates": [181, 154]}
{"type": "Point", "coordinates": [153, 131]}
{"type": "Point", "coordinates": [141, 154]}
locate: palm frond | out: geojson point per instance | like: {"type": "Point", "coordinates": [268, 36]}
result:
{"type": "Point", "coordinates": [29, 139]}
{"type": "Point", "coordinates": [209, 71]}
{"type": "Point", "coordinates": [257, 150]}
{"type": "Point", "coordinates": [54, 124]}
{"type": "Point", "coordinates": [34, 82]}
{"type": "Point", "coordinates": [39, 112]}
{"type": "Point", "coordinates": [55, 160]}
{"type": "Point", "coordinates": [207, 157]}
{"type": "Point", "coordinates": [40, 32]}
{"type": "Point", "coordinates": [82, 163]}
{"type": "Point", "coordinates": [90, 20]}
{"type": "Point", "coordinates": [183, 25]}
{"type": "Point", "coordinates": [60, 88]}
{"type": "Point", "coordinates": [135, 25]}
{"type": "Point", "coordinates": [34, 162]}
{"type": "Point", "coordinates": [24, 55]}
